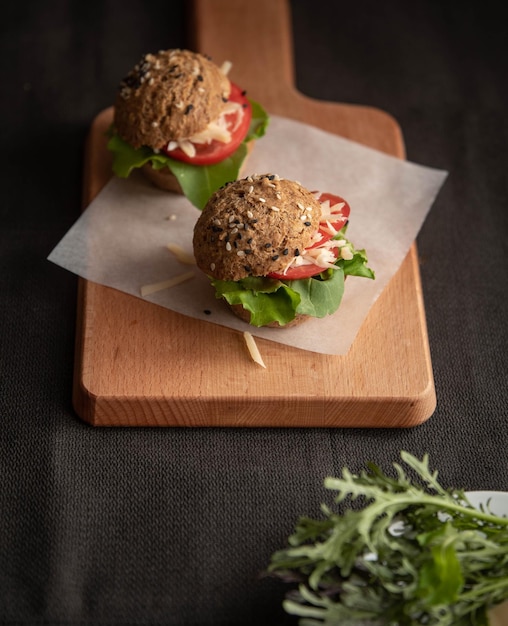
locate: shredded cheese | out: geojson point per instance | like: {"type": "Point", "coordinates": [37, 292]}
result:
{"type": "Point", "coordinates": [146, 290]}
{"type": "Point", "coordinates": [217, 130]}
{"type": "Point", "coordinates": [226, 67]}
{"type": "Point", "coordinates": [322, 254]}
{"type": "Point", "coordinates": [253, 349]}
{"type": "Point", "coordinates": [181, 255]}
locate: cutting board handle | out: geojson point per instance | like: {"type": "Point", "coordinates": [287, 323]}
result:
{"type": "Point", "coordinates": [262, 63]}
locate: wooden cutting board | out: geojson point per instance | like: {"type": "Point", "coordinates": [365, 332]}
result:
{"type": "Point", "coordinates": [138, 364]}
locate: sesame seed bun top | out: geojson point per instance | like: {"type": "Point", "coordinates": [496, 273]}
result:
{"type": "Point", "coordinates": [168, 96]}
{"type": "Point", "coordinates": [254, 226]}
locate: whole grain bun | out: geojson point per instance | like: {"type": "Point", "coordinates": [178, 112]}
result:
{"type": "Point", "coordinates": [168, 96]}
{"type": "Point", "coordinates": [254, 226]}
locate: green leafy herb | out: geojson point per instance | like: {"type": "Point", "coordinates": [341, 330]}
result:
{"type": "Point", "coordinates": [198, 182]}
{"type": "Point", "coordinates": [403, 552]}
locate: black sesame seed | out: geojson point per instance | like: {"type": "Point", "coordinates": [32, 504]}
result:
{"type": "Point", "coordinates": [235, 243]}
{"type": "Point", "coordinates": [275, 257]}
{"type": "Point", "coordinates": [285, 252]}
{"type": "Point", "coordinates": [207, 312]}
{"type": "Point", "coordinates": [268, 245]}
{"type": "Point", "coordinates": [239, 236]}
{"type": "Point", "coordinates": [200, 78]}
{"type": "Point", "coordinates": [225, 99]}
{"type": "Point", "coordinates": [307, 223]}
{"type": "Point", "coordinates": [272, 177]}
{"type": "Point", "coordinates": [131, 81]}
{"type": "Point", "coordinates": [297, 252]}
{"type": "Point", "coordinates": [247, 268]}
{"type": "Point", "coordinates": [248, 251]}
{"type": "Point", "coordinates": [249, 240]}
{"type": "Point", "coordinates": [253, 221]}
{"type": "Point", "coordinates": [188, 109]}
{"type": "Point", "coordinates": [217, 229]}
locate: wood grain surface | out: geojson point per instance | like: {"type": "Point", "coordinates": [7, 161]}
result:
{"type": "Point", "coordinates": [138, 364]}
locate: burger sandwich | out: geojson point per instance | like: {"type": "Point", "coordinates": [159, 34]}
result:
{"type": "Point", "coordinates": [179, 118]}
{"type": "Point", "coordinates": [275, 251]}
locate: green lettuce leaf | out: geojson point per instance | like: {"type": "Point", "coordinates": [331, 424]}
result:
{"type": "Point", "coordinates": [267, 299]}
{"type": "Point", "coordinates": [198, 182]}
{"type": "Point", "coordinates": [258, 123]}
{"type": "Point", "coordinates": [357, 266]}
{"type": "Point", "coordinates": [320, 296]}
{"type": "Point", "coordinates": [271, 300]}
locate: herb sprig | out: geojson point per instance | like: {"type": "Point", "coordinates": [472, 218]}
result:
{"type": "Point", "coordinates": [403, 552]}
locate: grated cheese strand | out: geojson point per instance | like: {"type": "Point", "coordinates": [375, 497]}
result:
{"type": "Point", "coordinates": [226, 67]}
{"type": "Point", "coordinates": [181, 255]}
{"type": "Point", "coordinates": [146, 290]}
{"type": "Point", "coordinates": [217, 130]}
{"type": "Point", "coordinates": [253, 349]}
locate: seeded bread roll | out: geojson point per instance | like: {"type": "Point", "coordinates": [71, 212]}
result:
{"type": "Point", "coordinates": [254, 226]}
{"type": "Point", "coordinates": [168, 96]}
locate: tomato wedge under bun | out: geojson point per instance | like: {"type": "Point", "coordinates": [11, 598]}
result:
{"type": "Point", "coordinates": [177, 108]}
{"type": "Point", "coordinates": [275, 251]}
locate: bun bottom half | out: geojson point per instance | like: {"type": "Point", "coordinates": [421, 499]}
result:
{"type": "Point", "coordinates": [244, 315]}
{"type": "Point", "coordinates": [163, 178]}
{"type": "Point", "coordinates": [166, 180]}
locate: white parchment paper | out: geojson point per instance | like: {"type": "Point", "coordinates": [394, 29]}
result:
{"type": "Point", "coordinates": [121, 239]}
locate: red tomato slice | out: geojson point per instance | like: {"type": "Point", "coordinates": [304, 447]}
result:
{"type": "Point", "coordinates": [307, 271]}
{"type": "Point", "coordinates": [216, 151]}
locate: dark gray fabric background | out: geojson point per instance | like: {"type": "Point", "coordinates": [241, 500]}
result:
{"type": "Point", "coordinates": [174, 526]}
